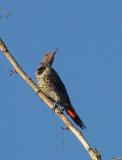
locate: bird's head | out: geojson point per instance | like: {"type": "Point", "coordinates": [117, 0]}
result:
{"type": "Point", "coordinates": [48, 59]}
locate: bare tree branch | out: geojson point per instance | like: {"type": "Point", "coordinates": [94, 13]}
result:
{"type": "Point", "coordinates": [94, 154]}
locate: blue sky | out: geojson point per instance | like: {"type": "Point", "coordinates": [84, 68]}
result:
{"type": "Point", "coordinates": [89, 35]}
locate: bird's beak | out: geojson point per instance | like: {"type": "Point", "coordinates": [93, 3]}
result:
{"type": "Point", "coordinates": [55, 51]}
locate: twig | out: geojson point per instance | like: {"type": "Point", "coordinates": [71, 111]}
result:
{"type": "Point", "coordinates": [94, 154]}
{"type": "Point", "coordinates": [114, 158]}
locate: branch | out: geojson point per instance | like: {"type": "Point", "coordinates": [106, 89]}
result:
{"type": "Point", "coordinates": [116, 158]}
{"type": "Point", "coordinates": [94, 154]}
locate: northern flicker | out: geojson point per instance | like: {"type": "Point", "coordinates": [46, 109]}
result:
{"type": "Point", "coordinates": [52, 86]}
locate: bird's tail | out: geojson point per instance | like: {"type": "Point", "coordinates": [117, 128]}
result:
{"type": "Point", "coordinates": [71, 112]}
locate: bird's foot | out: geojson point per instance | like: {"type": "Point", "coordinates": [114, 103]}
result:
{"type": "Point", "coordinates": [54, 108]}
{"type": "Point", "coordinates": [38, 91]}
{"type": "Point", "coordinates": [62, 109]}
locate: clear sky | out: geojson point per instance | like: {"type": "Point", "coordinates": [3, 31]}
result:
{"type": "Point", "coordinates": [89, 35]}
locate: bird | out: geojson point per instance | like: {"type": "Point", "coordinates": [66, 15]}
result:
{"type": "Point", "coordinates": [52, 86]}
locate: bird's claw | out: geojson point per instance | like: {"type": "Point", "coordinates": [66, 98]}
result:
{"type": "Point", "coordinates": [62, 110]}
{"type": "Point", "coordinates": [54, 108]}
{"type": "Point", "coordinates": [38, 91]}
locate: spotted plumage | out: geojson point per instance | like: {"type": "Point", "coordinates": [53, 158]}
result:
{"type": "Point", "coordinates": [53, 87]}
{"type": "Point", "coordinates": [51, 84]}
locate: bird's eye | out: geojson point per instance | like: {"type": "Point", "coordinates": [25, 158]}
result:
{"type": "Point", "coordinates": [46, 55]}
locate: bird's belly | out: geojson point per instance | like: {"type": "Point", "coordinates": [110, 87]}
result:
{"type": "Point", "coordinates": [48, 89]}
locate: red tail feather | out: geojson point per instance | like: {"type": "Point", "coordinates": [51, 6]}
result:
{"type": "Point", "coordinates": [71, 112]}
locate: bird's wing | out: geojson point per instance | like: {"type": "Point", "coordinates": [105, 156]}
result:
{"type": "Point", "coordinates": [59, 86]}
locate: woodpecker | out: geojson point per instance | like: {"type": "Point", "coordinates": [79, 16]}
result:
{"type": "Point", "coordinates": [52, 86]}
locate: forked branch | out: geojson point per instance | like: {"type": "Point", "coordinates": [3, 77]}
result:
{"type": "Point", "coordinates": [94, 154]}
